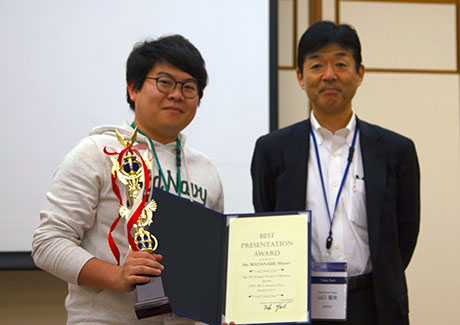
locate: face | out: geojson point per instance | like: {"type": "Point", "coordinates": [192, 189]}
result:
{"type": "Point", "coordinates": [162, 116]}
{"type": "Point", "coordinates": [330, 79]}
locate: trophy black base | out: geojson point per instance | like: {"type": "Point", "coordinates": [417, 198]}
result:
{"type": "Point", "coordinates": [153, 308]}
{"type": "Point", "coordinates": [151, 299]}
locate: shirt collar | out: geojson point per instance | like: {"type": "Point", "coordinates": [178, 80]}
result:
{"type": "Point", "coordinates": [324, 134]}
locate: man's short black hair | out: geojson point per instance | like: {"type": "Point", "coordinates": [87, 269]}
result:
{"type": "Point", "coordinates": [324, 33]}
{"type": "Point", "coordinates": [175, 50]}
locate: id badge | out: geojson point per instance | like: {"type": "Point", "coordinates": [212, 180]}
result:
{"type": "Point", "coordinates": [329, 290]}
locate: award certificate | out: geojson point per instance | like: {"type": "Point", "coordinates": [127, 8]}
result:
{"type": "Point", "coordinates": [268, 269]}
{"type": "Point", "coordinates": [247, 268]}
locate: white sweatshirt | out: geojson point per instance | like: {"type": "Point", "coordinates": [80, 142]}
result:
{"type": "Point", "coordinates": [81, 207]}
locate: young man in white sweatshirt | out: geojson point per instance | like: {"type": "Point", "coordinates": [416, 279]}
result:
{"type": "Point", "coordinates": [165, 82]}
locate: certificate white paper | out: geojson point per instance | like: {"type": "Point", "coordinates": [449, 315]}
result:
{"type": "Point", "coordinates": [268, 269]}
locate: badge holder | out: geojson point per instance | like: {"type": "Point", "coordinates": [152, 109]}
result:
{"type": "Point", "coordinates": [329, 291]}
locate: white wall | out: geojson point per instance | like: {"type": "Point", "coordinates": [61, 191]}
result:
{"type": "Point", "coordinates": [63, 65]}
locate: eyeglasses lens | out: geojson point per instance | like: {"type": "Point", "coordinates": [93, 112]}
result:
{"type": "Point", "coordinates": [167, 85]}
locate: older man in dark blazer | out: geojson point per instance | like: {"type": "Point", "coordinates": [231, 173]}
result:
{"type": "Point", "coordinates": [321, 164]}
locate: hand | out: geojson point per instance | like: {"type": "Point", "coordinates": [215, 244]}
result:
{"type": "Point", "coordinates": [231, 323]}
{"type": "Point", "coordinates": [139, 267]}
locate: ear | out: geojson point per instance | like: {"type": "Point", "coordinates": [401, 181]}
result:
{"type": "Point", "coordinates": [300, 79]}
{"type": "Point", "coordinates": [360, 74]}
{"type": "Point", "coordinates": [132, 92]}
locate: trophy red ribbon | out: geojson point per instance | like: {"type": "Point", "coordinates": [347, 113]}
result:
{"type": "Point", "coordinates": [132, 170]}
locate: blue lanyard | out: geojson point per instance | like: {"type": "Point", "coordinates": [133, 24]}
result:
{"type": "Point", "coordinates": [178, 163]}
{"type": "Point", "coordinates": [349, 159]}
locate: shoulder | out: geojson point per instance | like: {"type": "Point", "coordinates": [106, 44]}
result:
{"type": "Point", "coordinates": [88, 156]}
{"type": "Point", "coordinates": [92, 146]}
{"type": "Point", "coordinates": [81, 165]}
{"type": "Point", "coordinates": [207, 183]}
{"type": "Point", "coordinates": [105, 135]}
{"type": "Point", "coordinates": [201, 167]}
{"type": "Point", "coordinates": [102, 137]}
{"type": "Point", "coordinates": [384, 136]}
{"type": "Point", "coordinates": [197, 157]}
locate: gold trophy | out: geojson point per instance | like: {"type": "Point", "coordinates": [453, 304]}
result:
{"type": "Point", "coordinates": [132, 170]}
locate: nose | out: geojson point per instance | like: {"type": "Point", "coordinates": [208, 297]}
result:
{"type": "Point", "coordinates": [176, 93]}
{"type": "Point", "coordinates": [329, 73]}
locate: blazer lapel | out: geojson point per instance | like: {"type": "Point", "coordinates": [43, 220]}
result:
{"type": "Point", "coordinates": [374, 163]}
{"type": "Point", "coordinates": [296, 164]}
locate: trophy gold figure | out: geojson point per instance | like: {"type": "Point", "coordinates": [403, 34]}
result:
{"type": "Point", "coordinates": [131, 169]}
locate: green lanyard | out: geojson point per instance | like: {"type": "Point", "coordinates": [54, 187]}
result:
{"type": "Point", "coordinates": [178, 162]}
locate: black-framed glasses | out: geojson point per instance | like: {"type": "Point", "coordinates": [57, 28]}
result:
{"type": "Point", "coordinates": [166, 85]}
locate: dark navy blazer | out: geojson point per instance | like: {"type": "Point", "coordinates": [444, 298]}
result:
{"type": "Point", "coordinates": [392, 189]}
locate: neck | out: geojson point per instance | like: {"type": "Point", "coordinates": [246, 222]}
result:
{"type": "Point", "coordinates": [333, 122]}
{"type": "Point", "coordinates": [163, 139]}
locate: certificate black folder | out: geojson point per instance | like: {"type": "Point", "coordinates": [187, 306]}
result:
{"type": "Point", "coordinates": [191, 240]}
{"type": "Point", "coordinates": [194, 243]}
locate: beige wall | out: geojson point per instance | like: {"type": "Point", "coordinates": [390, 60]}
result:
{"type": "Point", "coordinates": [422, 106]}
{"type": "Point", "coordinates": [426, 108]}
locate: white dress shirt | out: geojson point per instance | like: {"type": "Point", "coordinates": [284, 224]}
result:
{"type": "Point", "coordinates": [349, 230]}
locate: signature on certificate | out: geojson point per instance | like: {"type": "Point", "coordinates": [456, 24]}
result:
{"type": "Point", "coordinates": [280, 306]}
{"type": "Point", "coordinates": [269, 307]}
